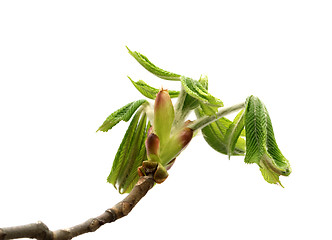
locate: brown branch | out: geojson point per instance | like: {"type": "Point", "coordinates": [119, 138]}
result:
{"type": "Point", "coordinates": [41, 232]}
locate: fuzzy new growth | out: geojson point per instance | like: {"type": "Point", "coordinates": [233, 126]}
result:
{"type": "Point", "coordinates": [153, 149]}
{"type": "Point", "coordinates": [164, 143]}
{"type": "Point", "coordinates": [171, 132]}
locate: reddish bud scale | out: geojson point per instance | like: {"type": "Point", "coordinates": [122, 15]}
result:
{"type": "Point", "coordinates": [152, 145]}
{"type": "Point", "coordinates": [170, 164]}
{"type": "Point", "coordinates": [159, 172]}
{"type": "Point", "coordinates": [150, 131]}
{"type": "Point", "coordinates": [185, 136]}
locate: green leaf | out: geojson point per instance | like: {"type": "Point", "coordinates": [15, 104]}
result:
{"type": "Point", "coordinates": [130, 155]}
{"type": "Point", "coordinates": [204, 81]}
{"type": "Point", "coordinates": [191, 103]}
{"type": "Point", "coordinates": [256, 130]}
{"type": "Point", "coordinates": [281, 163]}
{"type": "Point", "coordinates": [151, 92]}
{"type": "Point", "coordinates": [145, 62]}
{"type": "Point", "coordinates": [196, 90]}
{"type": "Point", "coordinates": [233, 133]}
{"type": "Point", "coordinates": [123, 150]}
{"type": "Point", "coordinates": [218, 134]}
{"type": "Point", "coordinates": [270, 176]}
{"type": "Point", "coordinates": [122, 114]}
{"type": "Point", "coordinates": [215, 134]}
{"type": "Point", "coordinates": [261, 145]}
{"type": "Point", "coordinates": [135, 156]}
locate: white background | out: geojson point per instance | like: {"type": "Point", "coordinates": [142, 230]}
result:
{"type": "Point", "coordinates": [63, 70]}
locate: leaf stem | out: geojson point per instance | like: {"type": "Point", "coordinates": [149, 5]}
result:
{"type": "Point", "coordinates": [148, 109]}
{"type": "Point", "coordinates": [206, 120]}
{"type": "Point", "coordinates": [180, 115]}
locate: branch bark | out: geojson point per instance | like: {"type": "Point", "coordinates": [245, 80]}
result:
{"type": "Point", "coordinates": [41, 232]}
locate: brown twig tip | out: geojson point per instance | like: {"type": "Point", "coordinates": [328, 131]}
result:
{"type": "Point", "coordinates": [40, 231]}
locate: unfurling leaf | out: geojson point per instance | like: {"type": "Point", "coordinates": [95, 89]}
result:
{"type": "Point", "coordinates": [130, 155]}
{"type": "Point", "coordinates": [196, 90]}
{"type": "Point", "coordinates": [190, 103]}
{"type": "Point", "coordinates": [145, 62]}
{"type": "Point", "coordinates": [151, 92]}
{"type": "Point", "coordinates": [221, 135]}
{"type": "Point", "coordinates": [233, 133]}
{"type": "Point", "coordinates": [215, 134]}
{"type": "Point", "coordinates": [147, 150]}
{"type": "Point", "coordinates": [261, 145]}
{"type": "Point", "coordinates": [122, 114]}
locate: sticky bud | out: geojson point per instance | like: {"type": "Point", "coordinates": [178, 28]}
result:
{"type": "Point", "coordinates": [159, 171]}
{"type": "Point", "coordinates": [160, 174]}
{"type": "Point", "coordinates": [152, 144]}
{"type": "Point", "coordinates": [175, 145]}
{"type": "Point", "coordinates": [163, 116]}
{"type": "Point", "coordinates": [149, 167]}
{"type": "Point", "coordinates": [185, 137]}
{"type": "Point", "coordinates": [140, 171]}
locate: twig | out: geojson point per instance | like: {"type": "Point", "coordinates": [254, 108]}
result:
{"type": "Point", "coordinates": [41, 232]}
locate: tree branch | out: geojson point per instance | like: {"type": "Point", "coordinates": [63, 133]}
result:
{"type": "Point", "coordinates": [41, 232]}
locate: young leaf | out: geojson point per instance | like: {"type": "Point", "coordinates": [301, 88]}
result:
{"type": "Point", "coordinates": [282, 164]}
{"type": "Point", "coordinates": [151, 92]}
{"type": "Point", "coordinates": [145, 62]}
{"type": "Point", "coordinates": [261, 145]}
{"type": "Point", "coordinates": [204, 81]}
{"type": "Point", "coordinates": [218, 134]}
{"type": "Point", "coordinates": [270, 176]}
{"type": "Point", "coordinates": [130, 155]}
{"type": "Point", "coordinates": [134, 156]}
{"type": "Point", "coordinates": [196, 90]}
{"type": "Point", "coordinates": [190, 103]}
{"type": "Point", "coordinates": [233, 133]}
{"type": "Point", "coordinates": [215, 134]}
{"type": "Point", "coordinates": [122, 114]}
{"type": "Point", "coordinates": [123, 150]}
{"type": "Point", "coordinates": [256, 132]}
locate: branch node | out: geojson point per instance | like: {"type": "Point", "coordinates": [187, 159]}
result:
{"type": "Point", "coordinates": [43, 231]}
{"type": "Point", "coordinates": [95, 224]}
{"type": "Point", "coordinates": [126, 208]}
{"type": "Point", "coordinates": [112, 214]}
{"type": "Point", "coordinates": [63, 234]}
